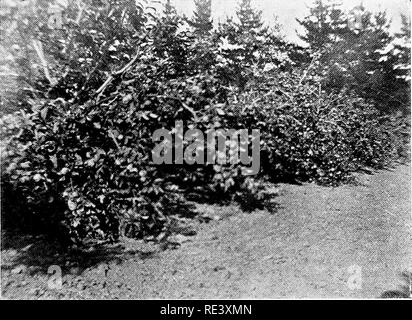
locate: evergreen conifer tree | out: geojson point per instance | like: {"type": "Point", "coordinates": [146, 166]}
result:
{"type": "Point", "coordinates": [325, 24]}
{"type": "Point", "coordinates": [202, 17]}
{"type": "Point", "coordinates": [250, 19]}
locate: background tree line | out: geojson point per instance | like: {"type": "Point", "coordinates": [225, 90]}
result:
{"type": "Point", "coordinates": [356, 49]}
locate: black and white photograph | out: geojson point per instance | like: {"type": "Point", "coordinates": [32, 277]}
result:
{"type": "Point", "coordinates": [227, 150]}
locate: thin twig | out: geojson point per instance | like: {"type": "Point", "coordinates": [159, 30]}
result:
{"type": "Point", "coordinates": [37, 45]}
{"type": "Point", "coordinates": [307, 71]}
{"type": "Point", "coordinates": [103, 87]}
{"type": "Point", "coordinates": [114, 139]}
{"type": "Point", "coordinates": [184, 105]}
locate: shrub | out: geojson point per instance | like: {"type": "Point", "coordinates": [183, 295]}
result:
{"type": "Point", "coordinates": [87, 167]}
{"type": "Point", "coordinates": [79, 163]}
{"type": "Point", "coordinates": [310, 135]}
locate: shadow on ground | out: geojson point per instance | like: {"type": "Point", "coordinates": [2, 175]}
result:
{"type": "Point", "coordinates": [404, 291]}
{"type": "Point", "coordinates": [35, 254]}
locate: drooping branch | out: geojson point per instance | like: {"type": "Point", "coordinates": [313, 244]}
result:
{"type": "Point", "coordinates": [184, 105]}
{"type": "Point", "coordinates": [126, 68]}
{"type": "Point", "coordinates": [38, 47]}
{"type": "Point", "coordinates": [308, 69]}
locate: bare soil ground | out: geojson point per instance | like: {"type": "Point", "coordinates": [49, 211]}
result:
{"type": "Point", "coordinates": [352, 241]}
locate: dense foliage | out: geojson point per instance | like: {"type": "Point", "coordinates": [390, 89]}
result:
{"type": "Point", "coordinates": [77, 159]}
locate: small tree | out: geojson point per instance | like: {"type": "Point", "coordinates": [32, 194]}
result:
{"type": "Point", "coordinates": [169, 9]}
{"type": "Point", "coordinates": [402, 50]}
{"type": "Point", "coordinates": [250, 19]}
{"type": "Point", "coordinates": [323, 25]}
{"type": "Point", "coordinates": [202, 17]}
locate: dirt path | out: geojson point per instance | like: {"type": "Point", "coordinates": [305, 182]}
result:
{"type": "Point", "coordinates": [315, 246]}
